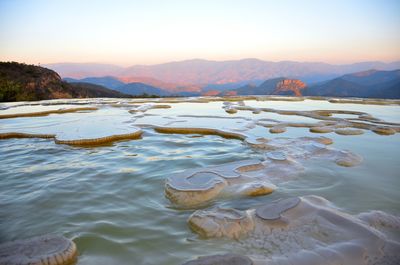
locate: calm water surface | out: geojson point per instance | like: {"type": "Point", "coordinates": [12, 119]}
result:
{"type": "Point", "coordinates": [110, 199]}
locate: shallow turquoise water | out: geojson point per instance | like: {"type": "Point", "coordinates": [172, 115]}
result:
{"type": "Point", "coordinates": [110, 199]}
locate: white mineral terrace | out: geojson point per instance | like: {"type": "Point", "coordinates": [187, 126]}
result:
{"type": "Point", "coordinates": [306, 230]}
{"type": "Point", "coordinates": [287, 134]}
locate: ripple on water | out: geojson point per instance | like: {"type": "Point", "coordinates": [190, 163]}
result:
{"type": "Point", "coordinates": [110, 199]}
{"type": "Point", "coordinates": [83, 194]}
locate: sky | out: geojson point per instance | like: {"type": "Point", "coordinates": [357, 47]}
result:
{"type": "Point", "coordinates": [157, 31]}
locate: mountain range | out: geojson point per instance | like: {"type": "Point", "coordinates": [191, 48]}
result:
{"type": "Point", "coordinates": [29, 82]}
{"type": "Point", "coordinates": [370, 83]}
{"type": "Point", "coordinates": [367, 84]}
{"type": "Point", "coordinates": [133, 88]}
{"type": "Point", "coordinates": [197, 74]}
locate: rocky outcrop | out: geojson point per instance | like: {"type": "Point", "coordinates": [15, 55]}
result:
{"type": "Point", "coordinates": [276, 86]}
{"type": "Point", "coordinates": [289, 86]}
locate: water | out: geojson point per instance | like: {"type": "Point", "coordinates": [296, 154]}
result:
{"type": "Point", "coordinates": [110, 199]}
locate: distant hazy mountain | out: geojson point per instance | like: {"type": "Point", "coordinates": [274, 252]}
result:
{"type": "Point", "coordinates": [137, 88]}
{"type": "Point", "coordinates": [372, 77]}
{"type": "Point", "coordinates": [195, 74]}
{"type": "Point", "coordinates": [372, 83]}
{"type": "Point", "coordinates": [134, 88]}
{"type": "Point", "coordinates": [87, 90]}
{"type": "Point", "coordinates": [230, 86]}
{"type": "Point", "coordinates": [105, 81]}
{"type": "Point", "coordinates": [20, 82]}
{"type": "Point", "coordinates": [29, 82]}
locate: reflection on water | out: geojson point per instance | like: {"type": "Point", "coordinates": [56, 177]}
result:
{"type": "Point", "coordinates": [110, 199]}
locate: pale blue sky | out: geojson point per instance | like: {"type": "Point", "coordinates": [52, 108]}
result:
{"type": "Point", "coordinates": [156, 31]}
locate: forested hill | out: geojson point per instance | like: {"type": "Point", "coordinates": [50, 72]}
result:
{"type": "Point", "coordinates": [22, 82]}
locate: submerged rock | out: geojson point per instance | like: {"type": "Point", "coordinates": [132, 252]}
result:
{"type": "Point", "coordinates": [277, 129]}
{"type": "Point", "coordinates": [379, 219]}
{"type": "Point", "coordinates": [197, 186]}
{"type": "Point", "coordinates": [276, 155]}
{"type": "Point", "coordinates": [257, 188]}
{"type": "Point", "coordinates": [227, 259]}
{"type": "Point", "coordinates": [148, 106]}
{"type": "Point", "coordinates": [203, 131]}
{"type": "Point", "coordinates": [325, 140]}
{"type": "Point", "coordinates": [305, 148]}
{"type": "Point", "coordinates": [101, 140]}
{"type": "Point", "coordinates": [323, 129]}
{"type": "Point", "coordinates": [347, 159]}
{"type": "Point", "coordinates": [231, 110]}
{"type": "Point", "coordinates": [304, 230]}
{"type": "Point", "coordinates": [274, 210]}
{"type": "Point", "coordinates": [82, 128]}
{"type": "Point", "coordinates": [78, 141]}
{"type": "Point", "coordinates": [45, 113]}
{"type": "Point", "coordinates": [41, 250]}
{"type": "Point", "coordinates": [383, 130]}
{"type": "Point", "coordinates": [364, 101]}
{"type": "Point", "coordinates": [12, 135]}
{"type": "Point", "coordinates": [194, 187]}
{"type": "Point", "coordinates": [328, 122]}
{"type": "Point", "coordinates": [346, 131]}
{"type": "Point", "coordinates": [222, 222]}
